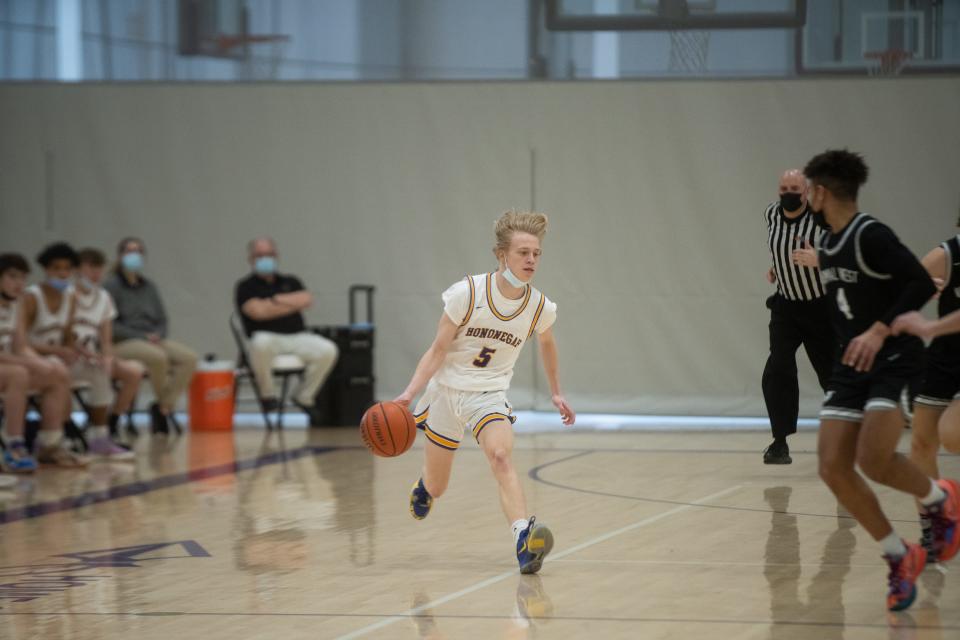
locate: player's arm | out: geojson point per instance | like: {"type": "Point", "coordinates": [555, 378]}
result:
{"type": "Point", "coordinates": [20, 347]}
{"type": "Point", "coordinates": [885, 254]}
{"type": "Point", "coordinates": [106, 339]}
{"type": "Point", "coordinates": [551, 365]}
{"type": "Point", "coordinates": [67, 338]}
{"type": "Point", "coordinates": [431, 360]}
{"type": "Point", "coordinates": [914, 323]}
{"type": "Point", "coordinates": [935, 262]}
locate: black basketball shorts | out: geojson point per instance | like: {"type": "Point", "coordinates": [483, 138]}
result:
{"type": "Point", "coordinates": [941, 378]}
{"type": "Point", "coordinates": [850, 393]}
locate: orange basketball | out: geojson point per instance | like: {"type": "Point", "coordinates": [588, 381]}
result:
{"type": "Point", "coordinates": [388, 429]}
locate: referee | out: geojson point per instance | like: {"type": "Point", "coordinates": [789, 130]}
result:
{"type": "Point", "coordinates": [799, 312]}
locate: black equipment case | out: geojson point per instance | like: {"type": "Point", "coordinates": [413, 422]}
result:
{"type": "Point", "coordinates": [348, 392]}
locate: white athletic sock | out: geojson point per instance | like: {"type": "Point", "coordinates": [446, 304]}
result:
{"type": "Point", "coordinates": [517, 527]}
{"type": "Point", "coordinates": [49, 438]}
{"type": "Point", "coordinates": [893, 546]}
{"type": "Point", "coordinates": [98, 433]}
{"type": "Point", "coordinates": [936, 495]}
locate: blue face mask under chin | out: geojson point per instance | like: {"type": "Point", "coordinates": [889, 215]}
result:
{"type": "Point", "coordinates": [60, 284]}
{"type": "Point", "coordinates": [265, 265]}
{"type": "Point", "coordinates": [512, 279]}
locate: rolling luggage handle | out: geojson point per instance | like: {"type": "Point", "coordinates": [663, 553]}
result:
{"type": "Point", "coordinates": [364, 289]}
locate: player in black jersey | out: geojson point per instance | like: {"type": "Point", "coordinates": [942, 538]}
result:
{"type": "Point", "coordinates": [934, 419]}
{"type": "Point", "coordinates": [871, 279]}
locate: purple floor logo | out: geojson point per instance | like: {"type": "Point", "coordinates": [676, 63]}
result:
{"type": "Point", "coordinates": [28, 582]}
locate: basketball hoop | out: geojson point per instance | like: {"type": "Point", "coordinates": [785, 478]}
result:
{"type": "Point", "coordinates": [225, 44]}
{"type": "Point", "coordinates": [889, 62]}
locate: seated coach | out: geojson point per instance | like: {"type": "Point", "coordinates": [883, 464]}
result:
{"type": "Point", "coordinates": [271, 305]}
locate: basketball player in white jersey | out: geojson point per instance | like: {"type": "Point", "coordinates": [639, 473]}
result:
{"type": "Point", "coordinates": [47, 377]}
{"type": "Point", "coordinates": [467, 370]}
{"type": "Point", "coordinates": [91, 330]}
{"type": "Point", "coordinates": [49, 309]}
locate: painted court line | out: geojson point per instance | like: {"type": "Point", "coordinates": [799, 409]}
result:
{"type": "Point", "coordinates": [117, 492]}
{"type": "Point", "coordinates": [711, 563]}
{"type": "Point", "coordinates": [393, 619]}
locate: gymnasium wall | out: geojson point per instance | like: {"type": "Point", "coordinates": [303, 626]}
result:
{"type": "Point", "coordinates": [655, 192]}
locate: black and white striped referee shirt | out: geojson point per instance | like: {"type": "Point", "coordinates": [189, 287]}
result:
{"type": "Point", "coordinates": [794, 282]}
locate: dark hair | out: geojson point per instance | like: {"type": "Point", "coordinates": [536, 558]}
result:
{"type": "Point", "coordinates": [123, 243]}
{"type": "Point", "coordinates": [841, 171]}
{"type": "Point", "coordinates": [93, 257]}
{"type": "Point", "coordinates": [13, 262]}
{"type": "Point", "coordinates": [57, 251]}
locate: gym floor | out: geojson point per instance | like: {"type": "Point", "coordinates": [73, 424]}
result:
{"type": "Point", "coordinates": [306, 534]}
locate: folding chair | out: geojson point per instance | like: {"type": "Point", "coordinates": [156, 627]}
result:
{"type": "Point", "coordinates": [284, 367]}
{"type": "Point", "coordinates": [71, 432]}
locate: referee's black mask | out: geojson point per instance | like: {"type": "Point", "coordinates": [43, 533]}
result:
{"type": "Point", "coordinates": [791, 201]}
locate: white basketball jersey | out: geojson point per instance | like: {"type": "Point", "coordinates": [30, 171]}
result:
{"type": "Point", "coordinates": [8, 325]}
{"type": "Point", "coordinates": [91, 310]}
{"type": "Point", "coordinates": [48, 327]}
{"type": "Point", "coordinates": [492, 331]}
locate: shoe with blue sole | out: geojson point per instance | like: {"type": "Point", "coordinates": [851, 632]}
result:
{"type": "Point", "coordinates": [533, 545]}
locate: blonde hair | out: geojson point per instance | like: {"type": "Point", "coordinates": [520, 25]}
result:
{"type": "Point", "coordinates": [513, 221]}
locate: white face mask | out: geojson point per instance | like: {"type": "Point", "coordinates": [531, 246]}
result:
{"type": "Point", "coordinates": [512, 279]}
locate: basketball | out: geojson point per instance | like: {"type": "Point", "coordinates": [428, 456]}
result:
{"type": "Point", "coordinates": [388, 429]}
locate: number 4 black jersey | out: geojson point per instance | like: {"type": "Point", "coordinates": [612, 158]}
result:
{"type": "Point", "coordinates": [950, 297]}
{"type": "Point", "coordinates": [870, 276]}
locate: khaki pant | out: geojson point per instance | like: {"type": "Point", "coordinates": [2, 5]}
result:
{"type": "Point", "coordinates": [171, 366]}
{"type": "Point", "coordinates": [318, 353]}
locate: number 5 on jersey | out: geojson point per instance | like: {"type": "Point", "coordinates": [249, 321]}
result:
{"type": "Point", "coordinates": [483, 359]}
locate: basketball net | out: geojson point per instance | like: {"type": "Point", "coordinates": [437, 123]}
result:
{"type": "Point", "coordinates": [688, 51]}
{"type": "Point", "coordinates": [889, 62]}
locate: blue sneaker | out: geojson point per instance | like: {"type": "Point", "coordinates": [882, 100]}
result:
{"type": "Point", "coordinates": [16, 458]}
{"type": "Point", "coordinates": [534, 544]}
{"type": "Point", "coordinates": [420, 501]}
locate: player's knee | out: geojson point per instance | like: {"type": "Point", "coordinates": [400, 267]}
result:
{"type": "Point", "coordinates": [499, 459]}
{"type": "Point", "coordinates": [833, 470]}
{"type": "Point", "coordinates": [18, 379]}
{"type": "Point", "coordinates": [875, 465]}
{"type": "Point", "coordinates": [829, 472]}
{"type": "Point", "coordinates": [950, 439]}
{"type": "Point", "coordinates": [923, 447]}
{"type": "Point", "coordinates": [59, 373]}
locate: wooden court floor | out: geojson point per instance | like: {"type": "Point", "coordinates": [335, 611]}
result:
{"type": "Point", "coordinates": [658, 535]}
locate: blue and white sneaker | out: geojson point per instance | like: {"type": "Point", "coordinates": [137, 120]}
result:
{"type": "Point", "coordinates": [16, 458]}
{"type": "Point", "coordinates": [533, 545]}
{"type": "Point", "coordinates": [420, 501]}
